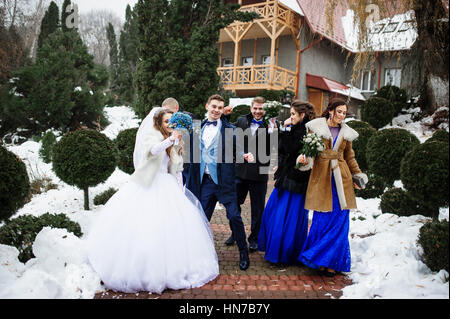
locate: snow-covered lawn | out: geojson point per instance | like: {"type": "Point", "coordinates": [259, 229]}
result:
{"type": "Point", "coordinates": [385, 256]}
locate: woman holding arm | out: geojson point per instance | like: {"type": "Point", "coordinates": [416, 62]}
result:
{"type": "Point", "coordinates": [330, 192]}
{"type": "Point", "coordinates": [284, 224]}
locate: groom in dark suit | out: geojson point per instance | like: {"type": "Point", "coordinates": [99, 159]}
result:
{"type": "Point", "coordinates": [212, 177]}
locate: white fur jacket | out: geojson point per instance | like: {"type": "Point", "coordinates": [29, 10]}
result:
{"type": "Point", "coordinates": [147, 170]}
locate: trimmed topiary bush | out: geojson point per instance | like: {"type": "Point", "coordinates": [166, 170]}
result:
{"type": "Point", "coordinates": [374, 188]}
{"type": "Point", "coordinates": [239, 110]}
{"type": "Point", "coordinates": [360, 145]}
{"type": "Point", "coordinates": [400, 202]}
{"type": "Point", "coordinates": [103, 197]}
{"type": "Point", "coordinates": [433, 237]}
{"type": "Point", "coordinates": [439, 136]}
{"type": "Point", "coordinates": [385, 151]}
{"type": "Point", "coordinates": [125, 141]}
{"type": "Point", "coordinates": [424, 173]}
{"type": "Point", "coordinates": [395, 95]}
{"type": "Point", "coordinates": [21, 232]}
{"type": "Point", "coordinates": [84, 158]}
{"type": "Point", "coordinates": [14, 183]}
{"type": "Point", "coordinates": [378, 112]}
{"type": "Point", "coordinates": [48, 142]}
{"type": "Point", "coordinates": [356, 124]}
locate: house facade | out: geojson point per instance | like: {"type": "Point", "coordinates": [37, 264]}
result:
{"type": "Point", "coordinates": [292, 46]}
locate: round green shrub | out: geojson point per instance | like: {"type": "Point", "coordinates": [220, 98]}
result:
{"type": "Point", "coordinates": [360, 144]}
{"type": "Point", "coordinates": [424, 173]}
{"type": "Point", "coordinates": [21, 232]}
{"type": "Point", "coordinates": [239, 110]}
{"type": "Point", "coordinates": [439, 136]}
{"type": "Point", "coordinates": [395, 95]}
{"type": "Point", "coordinates": [400, 202]}
{"type": "Point", "coordinates": [385, 151]}
{"type": "Point", "coordinates": [374, 188]}
{"type": "Point", "coordinates": [433, 237]}
{"type": "Point", "coordinates": [14, 183]}
{"type": "Point", "coordinates": [84, 158]}
{"type": "Point", "coordinates": [103, 197]}
{"type": "Point", "coordinates": [125, 141]}
{"type": "Point", "coordinates": [377, 111]}
{"type": "Point", "coordinates": [356, 124]}
{"type": "Point", "coordinates": [48, 142]}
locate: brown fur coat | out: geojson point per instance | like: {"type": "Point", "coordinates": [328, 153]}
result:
{"type": "Point", "coordinates": [339, 160]}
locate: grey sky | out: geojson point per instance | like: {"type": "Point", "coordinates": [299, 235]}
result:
{"type": "Point", "coordinates": [117, 6]}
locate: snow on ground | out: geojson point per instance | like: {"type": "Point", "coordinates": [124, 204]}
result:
{"type": "Point", "coordinates": [385, 256]}
{"type": "Point", "coordinates": [419, 128]}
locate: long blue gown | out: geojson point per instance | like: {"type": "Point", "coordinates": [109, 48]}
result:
{"type": "Point", "coordinates": [327, 244]}
{"type": "Point", "coordinates": [284, 227]}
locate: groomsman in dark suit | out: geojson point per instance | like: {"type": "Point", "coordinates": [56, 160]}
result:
{"type": "Point", "coordinates": [252, 177]}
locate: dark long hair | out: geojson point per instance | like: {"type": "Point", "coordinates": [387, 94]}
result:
{"type": "Point", "coordinates": [304, 107]}
{"type": "Point", "coordinates": [158, 124]}
{"type": "Point", "coordinates": [332, 105]}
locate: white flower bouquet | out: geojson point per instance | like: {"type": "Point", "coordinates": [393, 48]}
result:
{"type": "Point", "coordinates": [313, 145]}
{"type": "Point", "coordinates": [272, 109]}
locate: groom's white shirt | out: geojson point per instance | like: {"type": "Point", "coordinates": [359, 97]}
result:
{"type": "Point", "coordinates": [208, 135]}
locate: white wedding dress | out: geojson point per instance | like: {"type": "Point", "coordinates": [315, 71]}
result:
{"type": "Point", "coordinates": [149, 238]}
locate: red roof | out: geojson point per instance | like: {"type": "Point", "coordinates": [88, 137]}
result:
{"type": "Point", "coordinates": [321, 82]}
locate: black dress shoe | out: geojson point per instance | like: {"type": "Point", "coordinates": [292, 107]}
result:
{"type": "Point", "coordinates": [230, 241]}
{"type": "Point", "coordinates": [253, 246]}
{"type": "Point", "coordinates": [244, 261]}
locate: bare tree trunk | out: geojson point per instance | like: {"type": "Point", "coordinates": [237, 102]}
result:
{"type": "Point", "coordinates": [13, 18]}
{"type": "Point", "coordinates": [33, 31]}
{"type": "Point", "coordinates": [86, 198]}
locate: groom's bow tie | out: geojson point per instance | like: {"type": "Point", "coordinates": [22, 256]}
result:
{"type": "Point", "coordinates": [213, 123]}
{"type": "Point", "coordinates": [257, 122]}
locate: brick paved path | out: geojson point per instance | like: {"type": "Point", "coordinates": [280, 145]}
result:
{"type": "Point", "coordinates": [262, 280]}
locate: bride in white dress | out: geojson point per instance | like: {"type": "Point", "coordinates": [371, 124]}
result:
{"type": "Point", "coordinates": [153, 234]}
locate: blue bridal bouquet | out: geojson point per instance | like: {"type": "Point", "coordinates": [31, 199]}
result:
{"type": "Point", "coordinates": [181, 122]}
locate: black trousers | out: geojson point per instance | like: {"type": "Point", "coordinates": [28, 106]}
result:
{"type": "Point", "coordinates": [258, 191]}
{"type": "Point", "coordinates": [208, 200]}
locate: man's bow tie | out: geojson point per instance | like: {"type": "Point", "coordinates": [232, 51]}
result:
{"type": "Point", "coordinates": [257, 122]}
{"type": "Point", "coordinates": [213, 123]}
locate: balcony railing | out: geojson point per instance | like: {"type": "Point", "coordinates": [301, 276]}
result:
{"type": "Point", "coordinates": [257, 77]}
{"type": "Point", "coordinates": [273, 9]}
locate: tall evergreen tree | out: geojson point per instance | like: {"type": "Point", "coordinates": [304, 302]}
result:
{"type": "Point", "coordinates": [127, 58]}
{"type": "Point", "coordinates": [113, 56]}
{"type": "Point", "coordinates": [177, 50]}
{"type": "Point", "coordinates": [63, 89]}
{"type": "Point", "coordinates": [65, 15]}
{"type": "Point", "coordinates": [50, 22]}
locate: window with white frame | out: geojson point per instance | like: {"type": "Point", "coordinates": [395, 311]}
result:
{"type": "Point", "coordinates": [227, 62]}
{"type": "Point", "coordinates": [367, 80]}
{"type": "Point", "coordinates": [247, 61]}
{"type": "Point", "coordinates": [393, 76]}
{"type": "Point", "coordinates": [265, 59]}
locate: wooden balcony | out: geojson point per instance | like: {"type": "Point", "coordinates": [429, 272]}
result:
{"type": "Point", "coordinates": [257, 77]}
{"type": "Point", "coordinates": [275, 20]}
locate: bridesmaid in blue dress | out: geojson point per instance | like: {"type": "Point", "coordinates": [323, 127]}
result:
{"type": "Point", "coordinates": [284, 223]}
{"type": "Point", "coordinates": [330, 193]}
